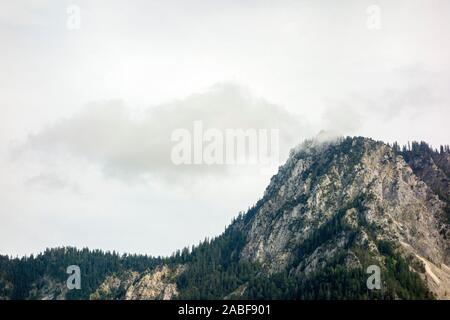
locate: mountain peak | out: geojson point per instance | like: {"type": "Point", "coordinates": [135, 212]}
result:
{"type": "Point", "coordinates": [346, 195]}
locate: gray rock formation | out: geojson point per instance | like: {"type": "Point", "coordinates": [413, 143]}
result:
{"type": "Point", "coordinates": [158, 284]}
{"type": "Point", "coordinates": [373, 190]}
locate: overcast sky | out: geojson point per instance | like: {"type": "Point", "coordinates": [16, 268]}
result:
{"type": "Point", "coordinates": [88, 105]}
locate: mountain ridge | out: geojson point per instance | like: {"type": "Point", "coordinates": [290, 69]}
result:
{"type": "Point", "coordinates": [334, 208]}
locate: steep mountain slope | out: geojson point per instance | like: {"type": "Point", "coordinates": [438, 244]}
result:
{"type": "Point", "coordinates": [432, 167]}
{"type": "Point", "coordinates": [334, 209]}
{"type": "Point", "coordinates": [346, 195]}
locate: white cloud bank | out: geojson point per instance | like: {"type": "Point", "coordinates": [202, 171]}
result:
{"type": "Point", "coordinates": [130, 146]}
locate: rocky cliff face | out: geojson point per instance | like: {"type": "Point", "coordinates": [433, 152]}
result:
{"type": "Point", "coordinates": [433, 168]}
{"type": "Point", "coordinates": [363, 189]}
{"type": "Point", "coordinates": [158, 284]}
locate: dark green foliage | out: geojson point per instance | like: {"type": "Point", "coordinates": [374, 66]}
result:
{"type": "Point", "coordinates": [420, 149]}
{"type": "Point", "coordinates": [324, 233]}
{"type": "Point", "coordinates": [432, 166]}
{"type": "Point", "coordinates": [400, 281]}
{"type": "Point", "coordinates": [95, 266]}
{"type": "Point", "coordinates": [333, 282]}
{"type": "Point", "coordinates": [337, 282]}
{"type": "Point", "coordinates": [214, 267]}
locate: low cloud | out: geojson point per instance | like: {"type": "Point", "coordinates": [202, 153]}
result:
{"type": "Point", "coordinates": [52, 181]}
{"type": "Point", "coordinates": [127, 146]}
{"type": "Point", "coordinates": [350, 115]}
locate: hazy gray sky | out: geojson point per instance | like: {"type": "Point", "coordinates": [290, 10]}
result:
{"type": "Point", "coordinates": [86, 110]}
